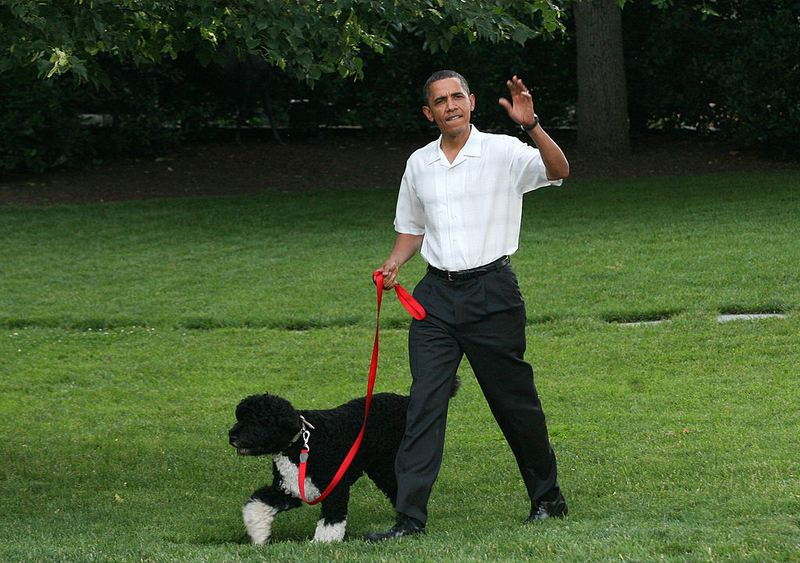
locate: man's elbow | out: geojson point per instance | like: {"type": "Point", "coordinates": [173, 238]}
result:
{"type": "Point", "coordinates": [559, 172]}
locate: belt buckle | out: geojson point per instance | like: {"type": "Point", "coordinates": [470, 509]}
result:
{"type": "Point", "coordinates": [449, 277]}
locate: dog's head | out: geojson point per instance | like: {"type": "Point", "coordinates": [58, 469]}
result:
{"type": "Point", "coordinates": [266, 425]}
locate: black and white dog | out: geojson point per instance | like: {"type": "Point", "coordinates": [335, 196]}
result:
{"type": "Point", "coordinates": [270, 425]}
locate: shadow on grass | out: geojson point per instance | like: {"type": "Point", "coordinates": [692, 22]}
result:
{"type": "Point", "coordinates": [625, 318]}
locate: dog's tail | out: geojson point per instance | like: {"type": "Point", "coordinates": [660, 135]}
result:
{"type": "Point", "coordinates": [456, 386]}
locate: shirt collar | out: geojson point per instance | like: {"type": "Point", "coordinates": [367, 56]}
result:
{"type": "Point", "coordinates": [471, 148]}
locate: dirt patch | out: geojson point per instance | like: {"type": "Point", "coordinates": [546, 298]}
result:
{"type": "Point", "coordinates": [338, 160]}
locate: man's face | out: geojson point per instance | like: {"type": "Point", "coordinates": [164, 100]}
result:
{"type": "Point", "coordinates": [449, 106]}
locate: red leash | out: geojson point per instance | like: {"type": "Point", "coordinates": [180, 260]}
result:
{"type": "Point", "coordinates": [418, 312]}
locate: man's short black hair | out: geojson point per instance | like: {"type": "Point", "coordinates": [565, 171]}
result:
{"type": "Point", "coordinates": [441, 75]}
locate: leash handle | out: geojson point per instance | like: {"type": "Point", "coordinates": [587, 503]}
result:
{"type": "Point", "coordinates": [412, 305]}
{"type": "Point", "coordinates": [418, 312]}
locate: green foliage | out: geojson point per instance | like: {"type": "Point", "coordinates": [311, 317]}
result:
{"type": "Point", "coordinates": [388, 97]}
{"type": "Point", "coordinates": [46, 124]}
{"type": "Point", "coordinates": [760, 80]}
{"type": "Point", "coordinates": [735, 74]}
{"type": "Point", "coordinates": [307, 37]}
{"type": "Point", "coordinates": [39, 127]}
{"type": "Point", "coordinates": [141, 122]}
{"type": "Point", "coordinates": [731, 73]}
{"type": "Point", "coordinates": [106, 42]}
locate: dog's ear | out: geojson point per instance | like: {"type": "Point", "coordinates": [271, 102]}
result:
{"type": "Point", "coordinates": [286, 417]}
{"type": "Point", "coordinates": [292, 424]}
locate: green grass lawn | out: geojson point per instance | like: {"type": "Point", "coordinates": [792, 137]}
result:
{"type": "Point", "coordinates": [130, 331]}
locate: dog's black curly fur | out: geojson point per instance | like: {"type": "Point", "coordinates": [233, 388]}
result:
{"type": "Point", "coordinates": [270, 425]}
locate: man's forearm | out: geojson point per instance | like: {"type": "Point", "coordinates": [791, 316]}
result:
{"type": "Point", "coordinates": [405, 247]}
{"type": "Point", "coordinates": [553, 157]}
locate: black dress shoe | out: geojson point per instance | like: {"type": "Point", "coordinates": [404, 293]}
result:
{"type": "Point", "coordinates": [549, 509]}
{"type": "Point", "coordinates": [405, 526]}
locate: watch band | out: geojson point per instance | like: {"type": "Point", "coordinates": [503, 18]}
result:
{"type": "Point", "coordinates": [530, 127]}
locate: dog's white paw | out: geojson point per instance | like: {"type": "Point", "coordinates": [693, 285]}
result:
{"type": "Point", "coordinates": [258, 518]}
{"type": "Point", "coordinates": [327, 533]}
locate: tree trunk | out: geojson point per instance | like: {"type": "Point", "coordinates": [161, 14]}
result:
{"type": "Point", "coordinates": [603, 124]}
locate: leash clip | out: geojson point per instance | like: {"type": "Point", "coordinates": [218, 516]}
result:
{"type": "Point", "coordinates": [307, 427]}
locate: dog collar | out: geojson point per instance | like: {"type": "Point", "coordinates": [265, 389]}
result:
{"type": "Point", "coordinates": [296, 437]}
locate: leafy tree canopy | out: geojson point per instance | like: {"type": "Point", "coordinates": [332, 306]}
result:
{"type": "Point", "coordinates": [304, 37]}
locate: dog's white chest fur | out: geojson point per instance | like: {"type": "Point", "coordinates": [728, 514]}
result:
{"type": "Point", "coordinates": [290, 476]}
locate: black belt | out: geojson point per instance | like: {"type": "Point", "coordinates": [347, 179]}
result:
{"type": "Point", "coordinates": [471, 273]}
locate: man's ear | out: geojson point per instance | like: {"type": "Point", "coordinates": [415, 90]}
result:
{"type": "Point", "coordinates": [427, 111]}
{"type": "Point", "coordinates": [472, 102]}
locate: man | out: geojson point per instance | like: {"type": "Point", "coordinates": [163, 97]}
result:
{"type": "Point", "coordinates": [460, 205]}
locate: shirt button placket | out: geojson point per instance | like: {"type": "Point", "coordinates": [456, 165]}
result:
{"type": "Point", "coordinates": [450, 187]}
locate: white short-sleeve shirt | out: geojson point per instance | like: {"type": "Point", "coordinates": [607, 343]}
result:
{"type": "Point", "coordinates": [469, 211]}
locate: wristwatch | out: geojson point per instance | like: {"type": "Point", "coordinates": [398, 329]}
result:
{"type": "Point", "coordinates": [530, 127]}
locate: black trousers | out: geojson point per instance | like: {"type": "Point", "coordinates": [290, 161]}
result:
{"type": "Point", "coordinates": [483, 318]}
